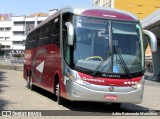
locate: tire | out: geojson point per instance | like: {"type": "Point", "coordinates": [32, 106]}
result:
{"type": "Point", "coordinates": [116, 105]}
{"type": "Point", "coordinates": [60, 100]}
{"type": "Point", "coordinates": [30, 84]}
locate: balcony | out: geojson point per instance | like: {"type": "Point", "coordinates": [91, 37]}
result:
{"type": "Point", "coordinates": [18, 38]}
{"type": "Point", "coordinates": [18, 18]}
{"type": "Point", "coordinates": [18, 28]}
{"type": "Point", "coordinates": [5, 42]}
{"type": "Point", "coordinates": [18, 46]}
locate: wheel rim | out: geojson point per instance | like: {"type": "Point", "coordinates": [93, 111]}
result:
{"type": "Point", "coordinates": [57, 90]}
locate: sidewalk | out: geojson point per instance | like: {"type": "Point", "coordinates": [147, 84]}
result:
{"type": "Point", "coordinates": [147, 75]}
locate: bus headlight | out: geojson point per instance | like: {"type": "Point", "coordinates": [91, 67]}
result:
{"type": "Point", "coordinates": [140, 84]}
{"type": "Point", "coordinates": [80, 81]}
{"type": "Point", "coordinates": [137, 86]}
{"type": "Point", "coordinates": [74, 76]}
{"type": "Point", "coordinates": [76, 79]}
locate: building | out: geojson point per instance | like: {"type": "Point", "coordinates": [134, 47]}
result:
{"type": "Point", "coordinates": [141, 8]}
{"type": "Point", "coordinates": [5, 33]}
{"type": "Point", "coordinates": [104, 3]}
{"type": "Point", "coordinates": [22, 25]}
{"type": "Point", "coordinates": [14, 29]}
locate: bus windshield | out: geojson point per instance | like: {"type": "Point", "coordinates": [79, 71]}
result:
{"type": "Point", "coordinates": [108, 46]}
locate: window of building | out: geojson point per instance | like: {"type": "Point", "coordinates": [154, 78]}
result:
{"type": "Point", "coordinates": [139, 13]}
{"type": "Point", "coordinates": [139, 5]}
{"type": "Point", "coordinates": [5, 46]}
{"type": "Point", "coordinates": [5, 28]}
{"type": "Point", "coordinates": [1, 29]}
{"type": "Point", "coordinates": [1, 38]}
{"type": "Point", "coordinates": [8, 29]}
{"type": "Point", "coordinates": [157, 7]}
{"type": "Point", "coordinates": [17, 42]}
{"type": "Point", "coordinates": [8, 46]}
{"type": "Point", "coordinates": [7, 38]}
{"type": "Point", "coordinates": [19, 23]}
{"type": "Point", "coordinates": [39, 22]}
{"type": "Point", "coordinates": [29, 27]}
{"type": "Point", "coordinates": [18, 33]}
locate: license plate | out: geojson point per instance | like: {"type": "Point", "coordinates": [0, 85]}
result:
{"type": "Point", "coordinates": [110, 97]}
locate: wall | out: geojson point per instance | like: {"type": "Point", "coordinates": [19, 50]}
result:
{"type": "Point", "coordinates": [140, 8]}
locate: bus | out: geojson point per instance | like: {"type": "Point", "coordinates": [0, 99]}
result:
{"type": "Point", "coordinates": [89, 54]}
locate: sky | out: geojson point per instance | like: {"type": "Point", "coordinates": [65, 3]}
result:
{"type": "Point", "coordinates": [28, 7]}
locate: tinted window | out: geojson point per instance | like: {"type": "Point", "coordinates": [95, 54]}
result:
{"type": "Point", "coordinates": [47, 34]}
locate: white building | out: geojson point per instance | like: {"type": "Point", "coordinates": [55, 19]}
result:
{"type": "Point", "coordinates": [13, 31]}
{"type": "Point", "coordinates": [5, 36]}
{"type": "Point", "coordinates": [104, 3]}
{"type": "Point", "coordinates": [21, 27]}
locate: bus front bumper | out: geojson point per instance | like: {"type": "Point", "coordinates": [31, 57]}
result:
{"type": "Point", "coordinates": [78, 92]}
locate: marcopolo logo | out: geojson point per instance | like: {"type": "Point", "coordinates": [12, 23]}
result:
{"type": "Point", "coordinates": [111, 88]}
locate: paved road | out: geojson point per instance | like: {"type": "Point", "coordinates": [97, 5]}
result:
{"type": "Point", "coordinates": [14, 95]}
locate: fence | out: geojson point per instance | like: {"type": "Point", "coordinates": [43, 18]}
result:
{"type": "Point", "coordinates": [8, 62]}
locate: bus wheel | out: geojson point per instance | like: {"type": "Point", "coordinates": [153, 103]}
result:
{"type": "Point", "coordinates": [60, 100]}
{"type": "Point", "coordinates": [116, 105]}
{"type": "Point", "coordinates": [30, 84]}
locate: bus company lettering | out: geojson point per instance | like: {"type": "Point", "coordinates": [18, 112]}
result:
{"type": "Point", "coordinates": [111, 76]}
{"type": "Point", "coordinates": [91, 79]}
{"type": "Point", "coordinates": [131, 82]}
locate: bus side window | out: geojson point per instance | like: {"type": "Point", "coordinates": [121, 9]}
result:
{"type": "Point", "coordinates": [48, 33]}
{"type": "Point", "coordinates": [55, 32]}
{"type": "Point", "coordinates": [27, 44]}
{"type": "Point", "coordinates": [66, 47]}
{"type": "Point", "coordinates": [41, 36]}
{"type": "Point", "coordinates": [31, 40]}
{"type": "Point", "coordinates": [36, 41]}
{"type": "Point", "coordinates": [44, 34]}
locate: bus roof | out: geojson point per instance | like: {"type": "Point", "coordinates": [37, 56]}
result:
{"type": "Point", "coordinates": [104, 12]}
{"type": "Point", "coordinates": [93, 11]}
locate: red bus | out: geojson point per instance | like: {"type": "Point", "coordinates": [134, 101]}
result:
{"type": "Point", "coordinates": [88, 54]}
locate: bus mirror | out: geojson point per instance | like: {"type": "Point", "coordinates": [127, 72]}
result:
{"type": "Point", "coordinates": [70, 33]}
{"type": "Point", "coordinates": [151, 39]}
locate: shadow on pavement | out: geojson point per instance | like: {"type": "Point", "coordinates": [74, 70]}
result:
{"type": "Point", "coordinates": [3, 102]}
{"type": "Point", "coordinates": [45, 93]}
{"type": "Point", "coordinates": [94, 108]}
{"type": "Point", "coordinates": [2, 79]}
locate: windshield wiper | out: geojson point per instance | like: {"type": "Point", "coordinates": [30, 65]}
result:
{"type": "Point", "coordinates": [123, 63]}
{"type": "Point", "coordinates": [101, 63]}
